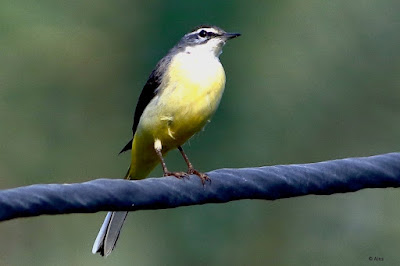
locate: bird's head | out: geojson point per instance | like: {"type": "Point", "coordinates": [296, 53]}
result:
{"type": "Point", "coordinates": [206, 39]}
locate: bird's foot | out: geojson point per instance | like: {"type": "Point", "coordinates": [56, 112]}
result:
{"type": "Point", "coordinates": [179, 175]}
{"type": "Point", "coordinates": [203, 177]}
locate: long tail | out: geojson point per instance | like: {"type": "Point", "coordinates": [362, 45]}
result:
{"type": "Point", "coordinates": [109, 233]}
{"type": "Point", "coordinates": [141, 166]}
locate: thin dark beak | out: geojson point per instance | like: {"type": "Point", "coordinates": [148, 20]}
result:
{"type": "Point", "coordinates": [229, 35]}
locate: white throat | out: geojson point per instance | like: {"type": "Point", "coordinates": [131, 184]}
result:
{"type": "Point", "coordinates": [211, 48]}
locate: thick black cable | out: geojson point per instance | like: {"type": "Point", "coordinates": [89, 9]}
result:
{"type": "Point", "coordinates": [269, 182]}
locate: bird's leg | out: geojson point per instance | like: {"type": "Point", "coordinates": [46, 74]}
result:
{"type": "Point", "coordinates": [191, 170]}
{"type": "Point", "coordinates": [158, 148]}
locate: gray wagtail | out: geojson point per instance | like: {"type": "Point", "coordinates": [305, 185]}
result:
{"type": "Point", "coordinates": [179, 98]}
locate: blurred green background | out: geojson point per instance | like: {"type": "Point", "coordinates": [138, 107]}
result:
{"type": "Point", "coordinates": [307, 81]}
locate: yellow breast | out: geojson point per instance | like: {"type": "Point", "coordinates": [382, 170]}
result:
{"type": "Point", "coordinates": [194, 90]}
{"type": "Point", "coordinates": [189, 94]}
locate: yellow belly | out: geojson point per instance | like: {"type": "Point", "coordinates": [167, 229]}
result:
{"type": "Point", "coordinates": [189, 95]}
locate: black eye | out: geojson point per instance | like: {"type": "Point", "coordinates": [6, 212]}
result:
{"type": "Point", "coordinates": [203, 33]}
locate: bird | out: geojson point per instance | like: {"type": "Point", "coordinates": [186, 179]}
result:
{"type": "Point", "coordinates": [179, 98]}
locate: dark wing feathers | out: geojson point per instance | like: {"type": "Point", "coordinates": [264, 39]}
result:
{"type": "Point", "coordinates": [147, 94]}
{"type": "Point", "coordinates": [149, 91]}
{"type": "Point", "coordinates": [127, 147]}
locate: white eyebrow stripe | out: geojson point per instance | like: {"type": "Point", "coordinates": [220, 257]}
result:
{"type": "Point", "coordinates": [206, 29]}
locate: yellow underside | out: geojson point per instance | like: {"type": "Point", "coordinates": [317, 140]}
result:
{"type": "Point", "coordinates": [190, 93]}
